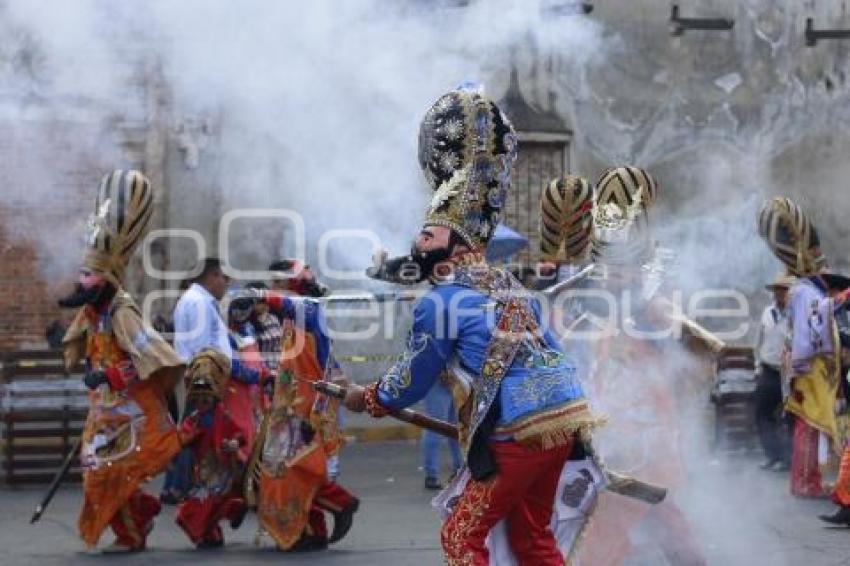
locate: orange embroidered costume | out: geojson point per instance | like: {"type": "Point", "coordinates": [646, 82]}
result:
{"type": "Point", "coordinates": [299, 433]}
{"type": "Point", "coordinates": [128, 436]}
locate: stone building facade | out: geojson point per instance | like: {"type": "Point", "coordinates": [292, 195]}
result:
{"type": "Point", "coordinates": [723, 119]}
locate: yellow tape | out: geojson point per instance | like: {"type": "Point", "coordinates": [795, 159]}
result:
{"type": "Point", "coordinates": [369, 358]}
{"type": "Point", "coordinates": [36, 363]}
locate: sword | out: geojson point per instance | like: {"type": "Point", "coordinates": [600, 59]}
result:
{"type": "Point", "coordinates": [57, 479]}
{"type": "Point", "coordinates": [616, 482]}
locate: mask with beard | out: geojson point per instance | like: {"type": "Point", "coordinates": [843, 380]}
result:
{"type": "Point", "coordinates": [94, 295]}
{"type": "Point", "coordinates": [308, 288]}
{"type": "Point", "coordinates": [408, 269]}
{"type": "Point", "coordinates": [241, 308]}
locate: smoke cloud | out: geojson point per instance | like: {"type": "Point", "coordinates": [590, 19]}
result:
{"type": "Point", "coordinates": [314, 107]}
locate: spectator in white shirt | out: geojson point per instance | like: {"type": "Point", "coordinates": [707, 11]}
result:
{"type": "Point", "coordinates": [772, 336]}
{"type": "Point", "coordinates": [197, 321]}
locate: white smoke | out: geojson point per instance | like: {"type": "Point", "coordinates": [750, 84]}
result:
{"type": "Point", "coordinates": [321, 103]}
{"type": "Point", "coordinates": [314, 106]}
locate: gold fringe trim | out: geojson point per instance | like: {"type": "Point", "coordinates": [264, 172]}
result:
{"type": "Point", "coordinates": [557, 436]}
{"type": "Point", "coordinates": [555, 427]}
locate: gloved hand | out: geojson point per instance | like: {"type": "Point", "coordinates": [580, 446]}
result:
{"type": "Point", "coordinates": [307, 432]}
{"type": "Point", "coordinates": [95, 378]}
{"type": "Point", "coordinates": [310, 288]}
{"type": "Point", "coordinates": [117, 376]}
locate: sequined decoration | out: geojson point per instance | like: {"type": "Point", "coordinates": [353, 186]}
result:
{"type": "Point", "coordinates": [465, 142]}
{"type": "Point", "coordinates": [516, 328]}
{"type": "Point", "coordinates": [399, 377]}
{"type": "Point", "coordinates": [473, 504]}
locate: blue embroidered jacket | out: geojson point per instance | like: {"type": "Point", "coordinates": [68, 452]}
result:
{"type": "Point", "coordinates": [307, 313]}
{"type": "Point", "coordinates": [452, 326]}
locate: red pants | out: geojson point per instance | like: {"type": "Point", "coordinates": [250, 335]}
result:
{"type": "Point", "coordinates": [523, 492]}
{"type": "Point", "coordinates": [805, 473]}
{"type": "Point", "coordinates": [199, 517]}
{"type": "Point", "coordinates": [134, 519]}
{"type": "Point", "coordinates": [841, 494]}
{"type": "Point", "coordinates": [332, 498]}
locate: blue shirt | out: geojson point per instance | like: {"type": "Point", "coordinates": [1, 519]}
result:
{"type": "Point", "coordinates": [453, 323]}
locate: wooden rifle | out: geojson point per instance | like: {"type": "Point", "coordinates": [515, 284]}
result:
{"type": "Point", "coordinates": [616, 482]}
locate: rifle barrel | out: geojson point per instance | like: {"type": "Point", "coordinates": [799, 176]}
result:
{"type": "Point", "coordinates": [57, 479]}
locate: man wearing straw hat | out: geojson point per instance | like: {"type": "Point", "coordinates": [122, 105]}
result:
{"type": "Point", "coordinates": [773, 333]}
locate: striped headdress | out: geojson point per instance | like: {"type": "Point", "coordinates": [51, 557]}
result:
{"type": "Point", "coordinates": [122, 213]}
{"type": "Point", "coordinates": [621, 231]}
{"type": "Point", "coordinates": [791, 236]}
{"type": "Point", "coordinates": [566, 218]}
{"type": "Point", "coordinates": [624, 185]}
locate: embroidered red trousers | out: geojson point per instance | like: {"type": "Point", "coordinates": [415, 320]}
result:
{"type": "Point", "coordinates": [332, 498]}
{"type": "Point", "coordinates": [199, 516]}
{"type": "Point", "coordinates": [805, 473]}
{"type": "Point", "coordinates": [134, 519]}
{"type": "Point", "coordinates": [841, 494]}
{"type": "Point", "coordinates": [523, 492]}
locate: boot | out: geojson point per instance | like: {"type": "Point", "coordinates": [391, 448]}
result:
{"type": "Point", "coordinates": [343, 521]}
{"type": "Point", "coordinates": [213, 540]}
{"type": "Point", "coordinates": [309, 543]}
{"type": "Point", "coordinates": [841, 517]}
{"type": "Point", "coordinates": [238, 517]}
